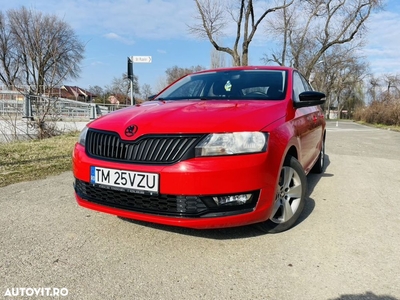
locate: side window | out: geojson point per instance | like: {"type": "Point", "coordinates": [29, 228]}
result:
{"type": "Point", "coordinates": [298, 86]}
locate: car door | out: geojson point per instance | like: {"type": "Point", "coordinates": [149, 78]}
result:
{"type": "Point", "coordinates": [308, 124]}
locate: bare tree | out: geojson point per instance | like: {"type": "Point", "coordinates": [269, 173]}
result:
{"type": "Point", "coordinates": [217, 59]}
{"type": "Point", "coordinates": [47, 47]}
{"type": "Point", "coordinates": [9, 59]}
{"type": "Point", "coordinates": [384, 105]}
{"type": "Point", "coordinates": [121, 87]}
{"type": "Point", "coordinates": [213, 19]}
{"type": "Point", "coordinates": [39, 51]}
{"type": "Point", "coordinates": [310, 28]}
{"type": "Point", "coordinates": [384, 88]}
{"type": "Point", "coordinates": [99, 92]}
{"type": "Point", "coordinates": [373, 85]}
{"type": "Point", "coordinates": [146, 91]}
{"type": "Point", "coordinates": [392, 83]}
{"type": "Point", "coordinates": [175, 72]}
{"type": "Point", "coordinates": [340, 74]}
{"type": "Point", "coordinates": [160, 84]}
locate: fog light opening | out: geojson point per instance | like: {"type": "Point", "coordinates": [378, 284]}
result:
{"type": "Point", "coordinates": [232, 199]}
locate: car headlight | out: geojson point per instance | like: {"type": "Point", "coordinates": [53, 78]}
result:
{"type": "Point", "coordinates": [232, 143]}
{"type": "Point", "coordinates": [82, 136]}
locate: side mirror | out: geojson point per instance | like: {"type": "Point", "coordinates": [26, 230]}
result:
{"type": "Point", "coordinates": [310, 98]}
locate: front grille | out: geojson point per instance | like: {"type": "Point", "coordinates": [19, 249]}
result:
{"type": "Point", "coordinates": [164, 149]}
{"type": "Point", "coordinates": [158, 204]}
{"type": "Point", "coordinates": [168, 205]}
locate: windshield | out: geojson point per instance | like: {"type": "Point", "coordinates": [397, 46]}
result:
{"type": "Point", "coordinates": [235, 84]}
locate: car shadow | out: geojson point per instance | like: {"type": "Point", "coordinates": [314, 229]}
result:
{"type": "Point", "coordinates": [314, 178]}
{"type": "Point", "coordinates": [241, 232]}
{"type": "Point", "coordinates": [312, 181]}
{"type": "Point", "coordinates": [366, 296]}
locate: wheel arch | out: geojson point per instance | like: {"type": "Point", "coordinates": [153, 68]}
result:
{"type": "Point", "coordinates": [292, 151]}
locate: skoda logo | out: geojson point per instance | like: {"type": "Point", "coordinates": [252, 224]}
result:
{"type": "Point", "coordinates": [130, 130]}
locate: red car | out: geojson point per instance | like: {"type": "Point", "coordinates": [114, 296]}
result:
{"type": "Point", "coordinates": [217, 148]}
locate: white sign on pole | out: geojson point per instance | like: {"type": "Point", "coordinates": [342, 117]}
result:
{"type": "Point", "coordinates": [141, 59]}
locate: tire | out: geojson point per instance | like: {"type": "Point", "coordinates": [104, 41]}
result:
{"type": "Point", "coordinates": [289, 199]}
{"type": "Point", "coordinates": [320, 163]}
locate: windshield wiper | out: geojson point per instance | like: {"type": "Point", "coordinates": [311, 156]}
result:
{"type": "Point", "coordinates": [214, 98]}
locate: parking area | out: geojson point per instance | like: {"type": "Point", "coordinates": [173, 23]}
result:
{"type": "Point", "coordinates": [345, 246]}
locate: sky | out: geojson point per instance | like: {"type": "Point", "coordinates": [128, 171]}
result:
{"type": "Point", "coordinates": [113, 30]}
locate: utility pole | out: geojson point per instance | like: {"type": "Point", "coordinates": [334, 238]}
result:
{"type": "Point", "coordinates": [130, 76]}
{"type": "Point", "coordinates": [136, 59]}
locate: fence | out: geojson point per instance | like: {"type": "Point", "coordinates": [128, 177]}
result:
{"type": "Point", "coordinates": [13, 103]}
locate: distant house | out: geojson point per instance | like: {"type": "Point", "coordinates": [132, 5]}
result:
{"type": "Point", "coordinates": [11, 95]}
{"type": "Point", "coordinates": [76, 93]}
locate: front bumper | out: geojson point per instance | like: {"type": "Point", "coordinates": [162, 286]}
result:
{"type": "Point", "coordinates": [186, 191]}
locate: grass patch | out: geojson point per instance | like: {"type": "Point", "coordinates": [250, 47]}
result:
{"type": "Point", "coordinates": [35, 159]}
{"type": "Point", "coordinates": [382, 126]}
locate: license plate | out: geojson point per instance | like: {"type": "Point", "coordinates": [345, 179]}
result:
{"type": "Point", "coordinates": [136, 182]}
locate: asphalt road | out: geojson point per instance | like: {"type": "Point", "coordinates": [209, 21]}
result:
{"type": "Point", "coordinates": [346, 245]}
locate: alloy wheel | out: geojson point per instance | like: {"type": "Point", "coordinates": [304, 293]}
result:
{"type": "Point", "coordinates": [288, 196]}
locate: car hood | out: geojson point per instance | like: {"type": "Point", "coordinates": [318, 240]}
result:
{"type": "Point", "coordinates": [193, 117]}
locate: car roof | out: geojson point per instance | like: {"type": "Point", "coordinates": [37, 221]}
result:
{"type": "Point", "coordinates": [242, 68]}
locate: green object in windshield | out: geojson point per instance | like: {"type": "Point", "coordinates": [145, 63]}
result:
{"type": "Point", "coordinates": [228, 86]}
